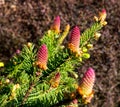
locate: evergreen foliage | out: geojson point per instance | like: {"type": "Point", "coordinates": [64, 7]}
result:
{"type": "Point", "coordinates": [23, 83]}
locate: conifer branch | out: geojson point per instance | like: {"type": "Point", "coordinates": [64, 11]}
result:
{"type": "Point", "coordinates": [88, 34]}
{"type": "Point", "coordinates": [47, 77]}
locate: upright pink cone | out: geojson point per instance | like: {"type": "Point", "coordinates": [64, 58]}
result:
{"type": "Point", "coordinates": [42, 57]}
{"type": "Point", "coordinates": [102, 15]}
{"type": "Point", "coordinates": [55, 80]}
{"type": "Point", "coordinates": [86, 86]}
{"type": "Point", "coordinates": [74, 40]}
{"type": "Point", "coordinates": [56, 24]}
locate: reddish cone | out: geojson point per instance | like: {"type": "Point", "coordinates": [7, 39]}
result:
{"type": "Point", "coordinates": [74, 40]}
{"type": "Point", "coordinates": [102, 15]}
{"type": "Point", "coordinates": [86, 85]}
{"type": "Point", "coordinates": [56, 24]}
{"type": "Point", "coordinates": [55, 80]}
{"type": "Point", "coordinates": [42, 57]}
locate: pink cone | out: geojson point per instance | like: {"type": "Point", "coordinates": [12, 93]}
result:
{"type": "Point", "coordinates": [75, 37]}
{"type": "Point", "coordinates": [103, 11]}
{"type": "Point", "coordinates": [85, 88]}
{"type": "Point", "coordinates": [74, 41]}
{"type": "Point", "coordinates": [56, 24]}
{"type": "Point", "coordinates": [102, 15]}
{"type": "Point", "coordinates": [57, 76]}
{"type": "Point", "coordinates": [55, 80]}
{"type": "Point", "coordinates": [42, 57]}
{"type": "Point", "coordinates": [88, 81]}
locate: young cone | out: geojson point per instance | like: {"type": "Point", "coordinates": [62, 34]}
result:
{"type": "Point", "coordinates": [86, 85]}
{"type": "Point", "coordinates": [97, 35]}
{"type": "Point", "coordinates": [55, 80]}
{"type": "Point", "coordinates": [42, 57]}
{"type": "Point", "coordinates": [102, 15]}
{"type": "Point", "coordinates": [56, 25]}
{"type": "Point", "coordinates": [74, 40]}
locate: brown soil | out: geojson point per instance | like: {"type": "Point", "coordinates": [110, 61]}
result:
{"type": "Point", "coordinates": [26, 20]}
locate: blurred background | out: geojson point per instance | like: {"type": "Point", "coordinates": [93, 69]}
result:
{"type": "Point", "coordinates": [23, 21]}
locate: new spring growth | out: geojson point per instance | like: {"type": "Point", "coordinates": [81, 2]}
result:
{"type": "Point", "coordinates": [16, 86]}
{"type": "Point", "coordinates": [55, 80]}
{"type": "Point", "coordinates": [85, 88]}
{"type": "Point", "coordinates": [13, 94]}
{"type": "Point", "coordinates": [102, 17]}
{"type": "Point", "coordinates": [65, 33]}
{"type": "Point", "coordinates": [42, 57]}
{"type": "Point", "coordinates": [97, 35]}
{"type": "Point", "coordinates": [74, 41]}
{"type": "Point", "coordinates": [84, 53]}
{"type": "Point", "coordinates": [1, 64]}
{"type": "Point", "coordinates": [7, 81]}
{"type": "Point", "coordinates": [90, 46]}
{"type": "Point", "coordinates": [29, 44]}
{"type": "Point", "coordinates": [56, 25]}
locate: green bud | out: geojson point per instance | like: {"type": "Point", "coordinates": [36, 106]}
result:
{"type": "Point", "coordinates": [49, 31]}
{"type": "Point", "coordinates": [62, 47]}
{"type": "Point", "coordinates": [80, 59]}
{"type": "Point", "coordinates": [1, 64]}
{"type": "Point", "coordinates": [86, 55]}
{"type": "Point", "coordinates": [56, 36]}
{"type": "Point", "coordinates": [84, 49]}
{"type": "Point", "coordinates": [97, 36]}
{"type": "Point", "coordinates": [74, 75]}
{"type": "Point", "coordinates": [29, 44]}
{"type": "Point", "coordinates": [89, 46]}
